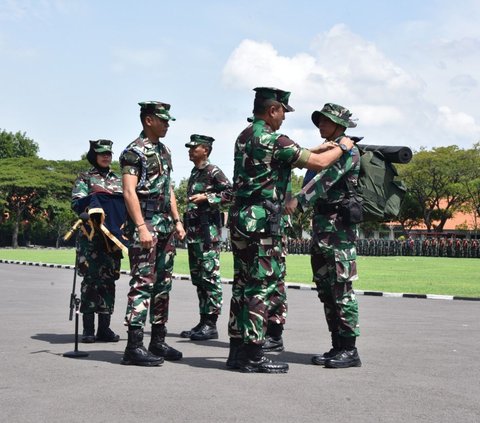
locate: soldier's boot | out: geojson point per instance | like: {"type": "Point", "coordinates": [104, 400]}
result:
{"type": "Point", "coordinates": [319, 359]}
{"type": "Point", "coordinates": [347, 357]}
{"type": "Point", "coordinates": [104, 333]}
{"type": "Point", "coordinates": [208, 330]}
{"type": "Point", "coordinates": [88, 336]}
{"type": "Point", "coordinates": [188, 333]}
{"type": "Point", "coordinates": [159, 347]}
{"type": "Point", "coordinates": [236, 353]}
{"type": "Point", "coordinates": [273, 339]}
{"type": "Point", "coordinates": [255, 361]}
{"type": "Point", "coordinates": [135, 353]}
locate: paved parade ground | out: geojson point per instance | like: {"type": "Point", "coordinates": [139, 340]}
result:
{"type": "Point", "coordinates": [421, 363]}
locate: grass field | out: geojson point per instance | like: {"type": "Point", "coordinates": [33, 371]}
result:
{"type": "Point", "coordinates": [419, 275]}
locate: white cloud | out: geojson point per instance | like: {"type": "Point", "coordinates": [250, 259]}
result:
{"type": "Point", "coordinates": [458, 122]}
{"type": "Point", "coordinates": [391, 102]}
{"type": "Point", "coordinates": [343, 66]}
{"type": "Point", "coordinates": [255, 64]}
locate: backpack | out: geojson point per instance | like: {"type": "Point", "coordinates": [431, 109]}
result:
{"type": "Point", "coordinates": [380, 191]}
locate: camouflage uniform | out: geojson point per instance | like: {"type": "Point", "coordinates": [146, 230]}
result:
{"type": "Point", "coordinates": [333, 250]}
{"type": "Point", "coordinates": [333, 246]}
{"type": "Point", "coordinates": [263, 162]}
{"type": "Point", "coordinates": [151, 270]}
{"type": "Point", "coordinates": [150, 267]}
{"type": "Point", "coordinates": [99, 263]}
{"type": "Point", "coordinates": [203, 226]}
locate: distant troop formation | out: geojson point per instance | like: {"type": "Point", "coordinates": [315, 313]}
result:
{"type": "Point", "coordinates": [260, 201]}
{"type": "Point", "coordinates": [427, 247]}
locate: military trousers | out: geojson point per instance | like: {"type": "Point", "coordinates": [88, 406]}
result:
{"type": "Point", "coordinates": [277, 299]}
{"type": "Point", "coordinates": [204, 264]}
{"type": "Point", "coordinates": [151, 282]}
{"type": "Point", "coordinates": [333, 274]}
{"type": "Point", "coordinates": [258, 270]}
{"type": "Point", "coordinates": [100, 269]}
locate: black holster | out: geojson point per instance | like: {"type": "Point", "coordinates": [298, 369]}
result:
{"type": "Point", "coordinates": [274, 217]}
{"type": "Point", "coordinates": [204, 217]}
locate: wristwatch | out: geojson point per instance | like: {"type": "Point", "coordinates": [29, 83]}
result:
{"type": "Point", "coordinates": [343, 147]}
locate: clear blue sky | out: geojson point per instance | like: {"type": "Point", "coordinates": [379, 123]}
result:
{"type": "Point", "coordinates": [71, 71]}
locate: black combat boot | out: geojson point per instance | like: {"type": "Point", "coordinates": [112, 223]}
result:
{"type": "Point", "coordinates": [236, 354]}
{"type": "Point", "coordinates": [347, 357]}
{"type": "Point", "coordinates": [135, 353]}
{"type": "Point", "coordinates": [159, 347]}
{"type": "Point", "coordinates": [320, 359]}
{"type": "Point", "coordinates": [188, 333]}
{"type": "Point", "coordinates": [88, 328]}
{"type": "Point", "coordinates": [273, 339]}
{"type": "Point", "coordinates": [255, 362]}
{"type": "Point", "coordinates": [206, 331]}
{"type": "Point", "coordinates": [104, 333]}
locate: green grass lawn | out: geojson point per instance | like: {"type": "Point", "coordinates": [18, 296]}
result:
{"type": "Point", "coordinates": [419, 275]}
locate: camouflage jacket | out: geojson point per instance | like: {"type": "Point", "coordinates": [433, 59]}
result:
{"type": "Point", "coordinates": [263, 165]}
{"type": "Point", "coordinates": [326, 190]}
{"type": "Point", "coordinates": [91, 183]}
{"type": "Point", "coordinates": [152, 164]}
{"type": "Point", "coordinates": [204, 220]}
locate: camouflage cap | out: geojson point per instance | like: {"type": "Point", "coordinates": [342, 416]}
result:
{"type": "Point", "coordinates": [268, 93]}
{"type": "Point", "coordinates": [162, 110]}
{"type": "Point", "coordinates": [101, 146]}
{"type": "Point", "coordinates": [335, 113]}
{"type": "Point", "coordinates": [196, 139]}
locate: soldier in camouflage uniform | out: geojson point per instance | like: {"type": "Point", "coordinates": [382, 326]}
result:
{"type": "Point", "coordinates": [153, 223]}
{"type": "Point", "coordinates": [208, 188]}
{"type": "Point", "coordinates": [333, 251]}
{"type": "Point", "coordinates": [98, 260]}
{"type": "Point", "coordinates": [263, 162]}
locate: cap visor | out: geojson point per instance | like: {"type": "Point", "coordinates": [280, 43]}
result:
{"type": "Point", "coordinates": [288, 108]}
{"type": "Point", "coordinates": [164, 116]}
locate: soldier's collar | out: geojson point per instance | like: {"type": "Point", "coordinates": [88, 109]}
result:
{"type": "Point", "coordinates": [147, 140]}
{"type": "Point", "coordinates": [203, 165]}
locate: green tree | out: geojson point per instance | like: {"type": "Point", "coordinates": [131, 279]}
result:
{"type": "Point", "coordinates": [181, 196]}
{"type": "Point", "coordinates": [411, 212]}
{"type": "Point", "coordinates": [16, 145]}
{"type": "Point", "coordinates": [26, 182]}
{"type": "Point", "coordinates": [471, 183]}
{"type": "Point", "coordinates": [436, 180]}
{"type": "Point", "coordinates": [300, 221]}
{"type": "Point", "coordinates": [59, 215]}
